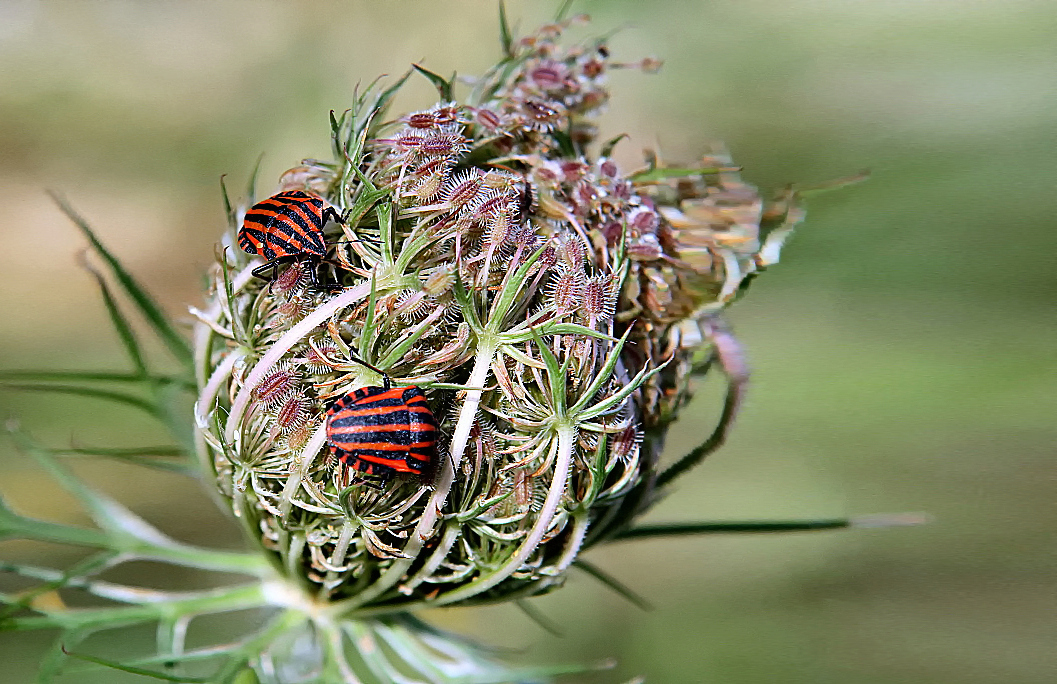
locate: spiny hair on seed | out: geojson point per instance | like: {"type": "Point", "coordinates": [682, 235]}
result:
{"type": "Point", "coordinates": [413, 305]}
{"type": "Point", "coordinates": [448, 112]}
{"type": "Point", "coordinates": [428, 177]}
{"type": "Point", "coordinates": [565, 290]}
{"type": "Point", "coordinates": [316, 356]}
{"type": "Point", "coordinates": [446, 144]}
{"type": "Point", "coordinates": [461, 188]}
{"type": "Point", "coordinates": [277, 385]}
{"type": "Point", "coordinates": [405, 141]}
{"type": "Point", "coordinates": [599, 300]}
{"type": "Point", "coordinates": [297, 437]}
{"type": "Point", "coordinates": [293, 412]}
{"type": "Point", "coordinates": [291, 279]}
{"type": "Point", "coordinates": [574, 252]}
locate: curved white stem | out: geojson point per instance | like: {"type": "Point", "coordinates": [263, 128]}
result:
{"type": "Point", "coordinates": [212, 387]}
{"type": "Point", "coordinates": [566, 437]}
{"type": "Point", "coordinates": [293, 482]}
{"type": "Point", "coordinates": [576, 540]}
{"type": "Point", "coordinates": [459, 439]}
{"type": "Point", "coordinates": [283, 345]}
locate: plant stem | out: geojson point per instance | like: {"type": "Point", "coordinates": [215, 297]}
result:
{"type": "Point", "coordinates": [283, 345]}
{"type": "Point", "coordinates": [566, 435]}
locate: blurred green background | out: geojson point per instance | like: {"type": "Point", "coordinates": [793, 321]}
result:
{"type": "Point", "coordinates": [904, 351]}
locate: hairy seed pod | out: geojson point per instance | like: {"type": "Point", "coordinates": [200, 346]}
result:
{"type": "Point", "coordinates": [566, 290]}
{"type": "Point", "coordinates": [292, 414]}
{"type": "Point", "coordinates": [599, 300]}
{"type": "Point", "coordinates": [279, 384]}
{"type": "Point", "coordinates": [441, 144]}
{"type": "Point", "coordinates": [317, 357]}
{"type": "Point", "coordinates": [542, 116]}
{"type": "Point", "coordinates": [462, 188]}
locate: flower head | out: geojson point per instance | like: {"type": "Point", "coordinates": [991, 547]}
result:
{"type": "Point", "coordinates": [534, 302]}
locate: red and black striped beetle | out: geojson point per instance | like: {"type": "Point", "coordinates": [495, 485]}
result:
{"type": "Point", "coordinates": [384, 430]}
{"type": "Point", "coordinates": [287, 227]}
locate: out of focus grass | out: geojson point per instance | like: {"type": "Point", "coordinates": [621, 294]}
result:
{"type": "Point", "coordinates": [903, 351]}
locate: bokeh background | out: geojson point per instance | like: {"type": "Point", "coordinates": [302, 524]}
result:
{"type": "Point", "coordinates": [904, 350]}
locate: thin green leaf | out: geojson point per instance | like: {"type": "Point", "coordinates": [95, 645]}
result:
{"type": "Point", "coordinates": [122, 529]}
{"type": "Point", "coordinates": [444, 86]}
{"type": "Point", "coordinates": [554, 368]}
{"type": "Point", "coordinates": [522, 331]}
{"type": "Point", "coordinates": [131, 669]}
{"type": "Point", "coordinates": [143, 301]}
{"type": "Point", "coordinates": [87, 566]}
{"type": "Point", "coordinates": [537, 616]}
{"type": "Point", "coordinates": [506, 39]}
{"type": "Point", "coordinates": [172, 408]}
{"type": "Point", "coordinates": [336, 126]}
{"type": "Point", "coordinates": [384, 98]}
{"type": "Point", "coordinates": [14, 526]}
{"type": "Point", "coordinates": [398, 351]}
{"type": "Point", "coordinates": [625, 391]}
{"type": "Point", "coordinates": [238, 328]}
{"type": "Point", "coordinates": [613, 583]}
{"type": "Point", "coordinates": [159, 451]}
{"type": "Point", "coordinates": [107, 395]}
{"type": "Point", "coordinates": [510, 289]}
{"type": "Point", "coordinates": [120, 323]}
{"type": "Point", "coordinates": [229, 210]}
{"type": "Point", "coordinates": [172, 459]}
{"type": "Point", "coordinates": [52, 664]}
{"type": "Point", "coordinates": [464, 299]}
{"type": "Point", "coordinates": [107, 513]}
{"type": "Point", "coordinates": [369, 328]}
{"type": "Point", "coordinates": [251, 184]}
{"type": "Point", "coordinates": [603, 375]}
{"type": "Point", "coordinates": [732, 527]}
{"type": "Point", "coordinates": [554, 328]}
{"type": "Point", "coordinates": [563, 11]}
{"type": "Point", "coordinates": [91, 376]}
{"type": "Point", "coordinates": [607, 148]}
{"type": "Point", "coordinates": [835, 184]}
{"type": "Point", "coordinates": [384, 211]}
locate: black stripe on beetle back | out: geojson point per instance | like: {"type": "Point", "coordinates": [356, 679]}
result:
{"type": "Point", "coordinates": [370, 403]}
{"type": "Point", "coordinates": [266, 250]}
{"type": "Point", "coordinates": [291, 234]}
{"type": "Point", "coordinates": [295, 196]}
{"type": "Point", "coordinates": [310, 235]}
{"type": "Point", "coordinates": [312, 206]}
{"type": "Point", "coordinates": [370, 458]}
{"type": "Point", "coordinates": [398, 417]}
{"type": "Point", "coordinates": [400, 437]}
{"type": "Point", "coordinates": [289, 220]}
{"type": "Point", "coordinates": [280, 246]}
{"type": "Point", "coordinates": [413, 395]}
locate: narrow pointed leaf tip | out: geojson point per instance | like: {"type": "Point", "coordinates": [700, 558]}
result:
{"type": "Point", "coordinates": [146, 305]}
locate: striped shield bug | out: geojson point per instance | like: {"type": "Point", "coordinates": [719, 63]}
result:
{"type": "Point", "coordinates": [287, 227]}
{"type": "Point", "coordinates": [383, 430]}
